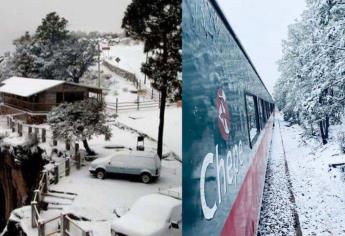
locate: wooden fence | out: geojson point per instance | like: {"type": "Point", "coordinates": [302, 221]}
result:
{"type": "Point", "coordinates": [70, 228]}
{"type": "Point", "coordinates": [134, 106]}
{"type": "Point", "coordinates": [39, 133]}
{"type": "Point", "coordinates": [66, 223]}
{"type": "Point", "coordinates": [36, 204]}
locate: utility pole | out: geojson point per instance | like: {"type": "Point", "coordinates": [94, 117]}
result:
{"type": "Point", "coordinates": [99, 65]}
{"type": "Point", "coordinates": [147, 54]}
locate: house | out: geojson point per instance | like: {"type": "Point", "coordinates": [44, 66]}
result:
{"type": "Point", "coordinates": [32, 99]}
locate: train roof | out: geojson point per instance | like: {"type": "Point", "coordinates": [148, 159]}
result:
{"type": "Point", "coordinates": [232, 32]}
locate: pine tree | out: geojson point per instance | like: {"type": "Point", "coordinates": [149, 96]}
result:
{"type": "Point", "coordinates": [23, 60]}
{"type": "Point", "coordinates": [53, 52]}
{"type": "Point", "coordinates": [53, 29]}
{"type": "Point", "coordinates": [158, 24]}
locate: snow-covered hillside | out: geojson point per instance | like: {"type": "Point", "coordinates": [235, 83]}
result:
{"type": "Point", "coordinates": [130, 56]}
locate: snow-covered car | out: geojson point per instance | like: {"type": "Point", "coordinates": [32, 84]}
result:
{"type": "Point", "coordinates": [152, 215]}
{"type": "Point", "coordinates": [147, 165]}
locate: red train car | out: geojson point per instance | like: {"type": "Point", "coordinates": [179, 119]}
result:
{"type": "Point", "coordinates": [227, 127]}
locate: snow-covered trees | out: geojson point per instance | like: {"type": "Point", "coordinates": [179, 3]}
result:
{"type": "Point", "coordinates": [158, 24]}
{"type": "Point", "coordinates": [53, 52]}
{"type": "Point", "coordinates": [6, 67]}
{"type": "Point", "coordinates": [313, 67]}
{"type": "Point", "coordinates": [78, 55]}
{"type": "Point", "coordinates": [79, 121]}
{"type": "Point", "coordinates": [53, 29]}
{"type": "Point", "coordinates": [23, 60]}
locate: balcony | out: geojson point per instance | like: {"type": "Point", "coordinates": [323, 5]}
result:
{"type": "Point", "coordinates": [28, 106]}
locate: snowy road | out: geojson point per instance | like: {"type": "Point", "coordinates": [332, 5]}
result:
{"type": "Point", "coordinates": [318, 190]}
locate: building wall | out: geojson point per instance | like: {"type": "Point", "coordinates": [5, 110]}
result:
{"type": "Point", "coordinates": [49, 96]}
{"type": "Point", "coordinates": [44, 101]}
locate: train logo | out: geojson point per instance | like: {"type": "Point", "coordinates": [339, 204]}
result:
{"type": "Point", "coordinates": [223, 114]}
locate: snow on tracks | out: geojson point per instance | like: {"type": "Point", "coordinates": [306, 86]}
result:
{"type": "Point", "coordinates": [277, 213]}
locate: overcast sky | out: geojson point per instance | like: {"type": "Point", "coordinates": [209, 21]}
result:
{"type": "Point", "coordinates": [261, 26]}
{"type": "Point", "coordinates": [18, 16]}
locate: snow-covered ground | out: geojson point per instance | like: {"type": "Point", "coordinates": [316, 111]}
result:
{"type": "Point", "coordinates": [117, 87]}
{"type": "Point", "coordinates": [102, 197]}
{"type": "Point", "coordinates": [147, 122]}
{"type": "Point", "coordinates": [319, 190]}
{"type": "Point", "coordinates": [276, 217]}
{"type": "Point", "coordinates": [130, 56]}
{"type": "Point", "coordinates": [96, 199]}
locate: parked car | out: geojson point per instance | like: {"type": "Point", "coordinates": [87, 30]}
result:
{"type": "Point", "coordinates": [152, 215]}
{"type": "Point", "coordinates": [133, 163]}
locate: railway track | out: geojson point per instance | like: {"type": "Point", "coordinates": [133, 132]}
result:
{"type": "Point", "coordinates": [279, 214]}
{"type": "Point", "coordinates": [297, 224]}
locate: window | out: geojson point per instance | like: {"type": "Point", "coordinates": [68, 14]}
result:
{"type": "Point", "coordinates": [262, 120]}
{"type": "Point", "coordinates": [69, 97]}
{"type": "Point", "coordinates": [252, 118]}
{"type": "Point", "coordinates": [59, 98]}
{"type": "Point", "coordinates": [267, 112]}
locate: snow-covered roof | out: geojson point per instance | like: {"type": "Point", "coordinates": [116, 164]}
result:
{"type": "Point", "coordinates": [26, 87]}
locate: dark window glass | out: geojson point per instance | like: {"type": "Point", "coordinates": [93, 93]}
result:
{"type": "Point", "coordinates": [69, 97]}
{"type": "Point", "coordinates": [261, 119]}
{"type": "Point", "coordinates": [267, 113]}
{"type": "Point", "coordinates": [59, 98]}
{"type": "Point", "coordinates": [252, 118]}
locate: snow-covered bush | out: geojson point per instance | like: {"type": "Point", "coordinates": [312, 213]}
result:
{"type": "Point", "coordinates": [79, 121]}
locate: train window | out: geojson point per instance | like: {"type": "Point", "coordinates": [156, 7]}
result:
{"type": "Point", "coordinates": [261, 113]}
{"type": "Point", "coordinates": [270, 108]}
{"type": "Point", "coordinates": [267, 112]}
{"type": "Point", "coordinates": [264, 111]}
{"type": "Point", "coordinates": [252, 118]}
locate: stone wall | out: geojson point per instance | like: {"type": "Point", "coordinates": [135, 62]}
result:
{"type": "Point", "coordinates": [121, 72]}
